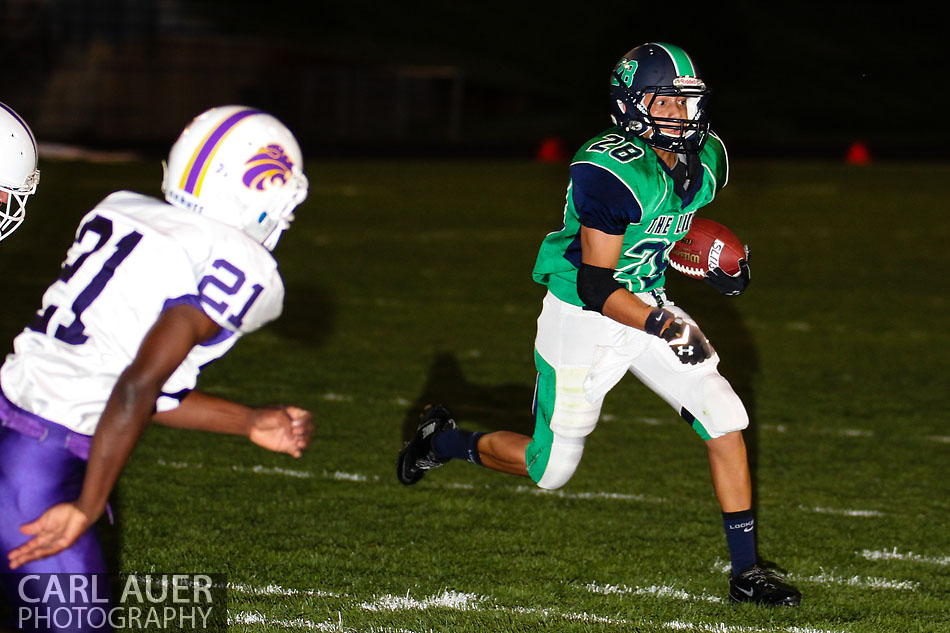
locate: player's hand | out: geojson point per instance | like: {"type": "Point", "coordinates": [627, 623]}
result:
{"type": "Point", "coordinates": [687, 341]}
{"type": "Point", "coordinates": [284, 429]}
{"type": "Point", "coordinates": [55, 530]}
{"type": "Point", "coordinates": [730, 285]}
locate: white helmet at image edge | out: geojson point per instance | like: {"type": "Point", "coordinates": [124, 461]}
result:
{"type": "Point", "coordinates": [18, 173]}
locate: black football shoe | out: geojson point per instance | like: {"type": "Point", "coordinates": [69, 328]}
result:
{"type": "Point", "coordinates": [763, 586]}
{"type": "Point", "coordinates": [417, 456]}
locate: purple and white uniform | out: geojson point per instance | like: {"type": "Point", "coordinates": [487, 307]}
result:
{"type": "Point", "coordinates": [134, 256]}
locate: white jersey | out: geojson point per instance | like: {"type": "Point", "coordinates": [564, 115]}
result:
{"type": "Point", "coordinates": [133, 257]}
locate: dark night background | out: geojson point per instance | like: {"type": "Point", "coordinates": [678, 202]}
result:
{"type": "Point", "coordinates": [470, 78]}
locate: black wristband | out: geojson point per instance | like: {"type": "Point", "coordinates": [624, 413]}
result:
{"type": "Point", "coordinates": [655, 322]}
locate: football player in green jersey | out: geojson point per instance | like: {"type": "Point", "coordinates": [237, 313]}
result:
{"type": "Point", "coordinates": [633, 192]}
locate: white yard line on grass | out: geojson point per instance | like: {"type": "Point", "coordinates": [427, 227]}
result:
{"type": "Point", "coordinates": [265, 470]}
{"type": "Point", "coordinates": [718, 627]}
{"type": "Point", "coordinates": [277, 590]}
{"type": "Point", "coordinates": [613, 496]}
{"type": "Point", "coordinates": [447, 600]}
{"type": "Point", "coordinates": [472, 602]}
{"type": "Point", "coordinates": [284, 472]}
{"type": "Point", "coordinates": [832, 579]}
{"type": "Point", "coordinates": [255, 617]}
{"type": "Point", "coordinates": [361, 478]}
{"type": "Point", "coordinates": [865, 582]}
{"type": "Point", "coordinates": [328, 626]}
{"type": "Point", "coordinates": [843, 512]}
{"type": "Point", "coordinates": [337, 397]}
{"type": "Point", "coordinates": [909, 556]}
{"type": "Point", "coordinates": [853, 433]}
{"type": "Point", "coordinates": [177, 465]}
{"type": "Point", "coordinates": [573, 617]}
{"type": "Point", "coordinates": [660, 591]}
{"type": "Point", "coordinates": [468, 602]}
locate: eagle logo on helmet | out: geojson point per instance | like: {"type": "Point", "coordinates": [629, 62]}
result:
{"type": "Point", "coordinates": [270, 165]}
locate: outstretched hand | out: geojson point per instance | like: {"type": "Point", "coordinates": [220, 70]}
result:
{"type": "Point", "coordinates": [56, 529]}
{"type": "Point", "coordinates": [284, 429]}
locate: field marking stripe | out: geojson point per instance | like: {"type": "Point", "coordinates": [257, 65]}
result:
{"type": "Point", "coordinates": [842, 512]}
{"type": "Point", "coordinates": [460, 601]}
{"type": "Point", "coordinates": [866, 582]}
{"type": "Point", "coordinates": [909, 556]}
{"type": "Point", "coordinates": [277, 590]}
{"type": "Point", "coordinates": [660, 591]}
{"type": "Point", "coordinates": [828, 579]}
{"type": "Point", "coordinates": [589, 495]}
{"type": "Point", "coordinates": [718, 627]}
{"type": "Point", "coordinates": [361, 478]}
{"type": "Point", "coordinates": [256, 617]}
{"type": "Point", "coordinates": [457, 601]}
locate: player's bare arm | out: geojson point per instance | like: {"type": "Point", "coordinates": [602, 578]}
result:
{"type": "Point", "coordinates": [279, 428]}
{"type": "Point", "coordinates": [603, 251]}
{"type": "Point", "coordinates": [127, 411]}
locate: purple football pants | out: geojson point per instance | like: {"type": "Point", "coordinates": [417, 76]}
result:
{"type": "Point", "coordinates": [41, 464]}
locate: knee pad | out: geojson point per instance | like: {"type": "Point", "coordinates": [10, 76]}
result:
{"type": "Point", "coordinates": [573, 414]}
{"type": "Point", "coordinates": [552, 463]}
{"type": "Point", "coordinates": [723, 411]}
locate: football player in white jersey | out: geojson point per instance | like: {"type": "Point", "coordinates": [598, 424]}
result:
{"type": "Point", "coordinates": [18, 173]}
{"type": "Point", "coordinates": [149, 293]}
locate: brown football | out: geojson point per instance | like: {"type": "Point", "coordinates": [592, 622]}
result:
{"type": "Point", "coordinates": [707, 245]}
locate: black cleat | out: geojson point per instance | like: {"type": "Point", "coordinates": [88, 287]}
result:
{"type": "Point", "coordinates": [417, 456]}
{"type": "Point", "coordinates": [762, 586]}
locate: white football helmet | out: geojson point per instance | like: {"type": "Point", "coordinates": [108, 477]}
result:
{"type": "Point", "coordinates": [18, 172]}
{"type": "Point", "coordinates": [240, 166]}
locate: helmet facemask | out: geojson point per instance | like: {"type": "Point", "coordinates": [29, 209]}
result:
{"type": "Point", "coordinates": [683, 136]}
{"type": "Point", "coordinates": [271, 224]}
{"type": "Point", "coordinates": [13, 210]}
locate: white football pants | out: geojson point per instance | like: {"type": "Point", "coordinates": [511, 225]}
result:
{"type": "Point", "coordinates": [581, 355]}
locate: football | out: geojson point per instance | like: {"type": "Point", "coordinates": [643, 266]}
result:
{"type": "Point", "coordinates": [707, 245]}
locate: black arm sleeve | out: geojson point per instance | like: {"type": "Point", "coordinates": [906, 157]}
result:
{"type": "Point", "coordinates": [594, 285]}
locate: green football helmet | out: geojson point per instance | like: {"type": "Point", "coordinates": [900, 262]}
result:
{"type": "Point", "coordinates": [647, 72]}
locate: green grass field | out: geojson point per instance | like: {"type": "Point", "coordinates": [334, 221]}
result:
{"type": "Point", "coordinates": [410, 283]}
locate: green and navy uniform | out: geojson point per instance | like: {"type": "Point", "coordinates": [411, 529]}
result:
{"type": "Point", "coordinates": [619, 185]}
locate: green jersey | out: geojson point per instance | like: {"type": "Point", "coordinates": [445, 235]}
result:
{"type": "Point", "coordinates": [620, 186]}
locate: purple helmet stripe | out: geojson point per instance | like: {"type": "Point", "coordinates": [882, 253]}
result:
{"type": "Point", "coordinates": [208, 147]}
